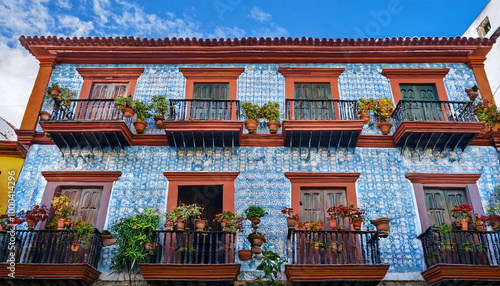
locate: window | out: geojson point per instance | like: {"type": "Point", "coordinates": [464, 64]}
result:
{"type": "Point", "coordinates": [108, 90]}
{"type": "Point", "coordinates": [86, 201]}
{"type": "Point", "coordinates": [316, 202]}
{"type": "Point", "coordinates": [214, 91]}
{"type": "Point", "coordinates": [436, 194]}
{"type": "Point", "coordinates": [89, 191]}
{"type": "Point", "coordinates": [424, 105]}
{"type": "Point", "coordinates": [319, 191]}
{"type": "Point", "coordinates": [484, 27]}
{"type": "Point", "coordinates": [440, 202]}
{"type": "Point", "coordinates": [313, 101]}
{"type": "Point", "coordinates": [207, 196]}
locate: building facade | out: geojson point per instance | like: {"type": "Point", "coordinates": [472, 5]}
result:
{"type": "Point", "coordinates": [322, 152]}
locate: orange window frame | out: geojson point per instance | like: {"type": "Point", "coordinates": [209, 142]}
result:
{"type": "Point", "coordinates": [108, 75]}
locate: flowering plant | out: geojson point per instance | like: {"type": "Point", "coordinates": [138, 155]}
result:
{"type": "Point", "coordinates": [358, 214]}
{"type": "Point", "coordinates": [234, 222]}
{"type": "Point", "coordinates": [464, 211]}
{"type": "Point", "coordinates": [38, 213]}
{"type": "Point", "coordinates": [288, 213]}
{"type": "Point", "coordinates": [17, 220]}
{"type": "Point", "coordinates": [62, 207]}
{"type": "Point", "coordinates": [340, 211]}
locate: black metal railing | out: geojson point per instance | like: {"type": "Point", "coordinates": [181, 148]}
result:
{"type": "Point", "coordinates": [419, 110]}
{"type": "Point", "coordinates": [204, 109]}
{"type": "Point", "coordinates": [86, 109]}
{"type": "Point", "coordinates": [50, 246]}
{"type": "Point", "coordinates": [460, 247]}
{"type": "Point", "coordinates": [194, 247]}
{"type": "Point", "coordinates": [325, 109]}
{"type": "Point", "coordinates": [334, 247]}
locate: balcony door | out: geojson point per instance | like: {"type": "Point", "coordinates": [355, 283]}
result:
{"type": "Point", "coordinates": [440, 202]}
{"type": "Point", "coordinates": [427, 106]}
{"type": "Point", "coordinates": [316, 202]}
{"type": "Point", "coordinates": [207, 196]}
{"type": "Point", "coordinates": [212, 103]}
{"type": "Point", "coordinates": [86, 201]}
{"type": "Point", "coordinates": [313, 101]}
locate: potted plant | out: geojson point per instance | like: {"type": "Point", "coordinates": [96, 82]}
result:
{"type": "Point", "coordinates": [107, 238]}
{"type": "Point", "coordinates": [45, 115]}
{"type": "Point", "coordinates": [487, 113]}
{"type": "Point", "coordinates": [364, 106]}
{"type": "Point", "coordinates": [256, 239]}
{"type": "Point", "coordinates": [53, 91]}
{"type": "Point", "coordinates": [64, 94]}
{"type": "Point", "coordinates": [357, 217]}
{"type": "Point", "coordinates": [473, 92]}
{"type": "Point", "coordinates": [230, 222]}
{"type": "Point", "coordinates": [62, 210]}
{"type": "Point", "coordinates": [244, 254]}
{"type": "Point", "coordinates": [463, 215]}
{"type": "Point", "coordinates": [251, 111]}
{"type": "Point", "coordinates": [82, 234]}
{"type": "Point", "coordinates": [383, 109]}
{"type": "Point", "coordinates": [185, 212]}
{"type": "Point", "coordinates": [382, 225]}
{"type": "Point", "coordinates": [291, 219]}
{"type": "Point", "coordinates": [133, 236]}
{"type": "Point", "coordinates": [35, 215]}
{"type": "Point", "coordinates": [315, 225]}
{"type": "Point", "coordinates": [171, 217]}
{"type": "Point", "coordinates": [494, 209]}
{"type": "Point", "coordinates": [270, 111]}
{"type": "Point", "coordinates": [160, 109]}
{"type": "Point", "coordinates": [125, 104]}
{"type": "Point", "coordinates": [254, 213]}
{"type": "Point", "coordinates": [338, 212]}
{"type": "Point", "coordinates": [142, 110]}
{"type": "Point", "coordinates": [271, 267]}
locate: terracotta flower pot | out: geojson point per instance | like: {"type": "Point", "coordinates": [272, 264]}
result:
{"type": "Point", "coordinates": [251, 125]}
{"type": "Point", "coordinates": [159, 121]}
{"type": "Point", "coordinates": [273, 126]}
{"type": "Point", "coordinates": [385, 127]}
{"type": "Point", "coordinates": [128, 111]}
{"type": "Point", "coordinates": [169, 225]}
{"type": "Point", "coordinates": [256, 240]}
{"type": "Point", "coordinates": [356, 224]}
{"type": "Point", "coordinates": [290, 223]}
{"type": "Point", "coordinates": [365, 117]}
{"type": "Point", "coordinates": [255, 220]}
{"type": "Point", "coordinates": [60, 224]}
{"type": "Point", "coordinates": [140, 126]}
{"type": "Point", "coordinates": [200, 224]}
{"type": "Point", "coordinates": [44, 115]}
{"type": "Point", "coordinates": [75, 246]}
{"type": "Point", "coordinates": [244, 254]}
{"type": "Point", "coordinates": [107, 239]}
{"type": "Point", "coordinates": [149, 246]}
{"type": "Point", "coordinates": [382, 225]}
{"type": "Point", "coordinates": [55, 91]}
{"type": "Point", "coordinates": [473, 94]}
{"type": "Point", "coordinates": [333, 223]}
{"type": "Point", "coordinates": [31, 223]}
{"type": "Point", "coordinates": [180, 225]}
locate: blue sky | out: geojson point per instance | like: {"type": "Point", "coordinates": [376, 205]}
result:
{"type": "Point", "coordinates": [212, 19]}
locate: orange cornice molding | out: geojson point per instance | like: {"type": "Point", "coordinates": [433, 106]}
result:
{"type": "Point", "coordinates": [201, 176]}
{"type": "Point", "coordinates": [311, 72]}
{"type": "Point", "coordinates": [420, 73]}
{"type": "Point", "coordinates": [429, 179]}
{"type": "Point", "coordinates": [211, 73]}
{"type": "Point", "coordinates": [81, 176]}
{"type": "Point", "coordinates": [110, 73]}
{"type": "Point", "coordinates": [295, 177]}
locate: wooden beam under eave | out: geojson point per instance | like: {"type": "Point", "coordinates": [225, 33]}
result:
{"type": "Point", "coordinates": [476, 63]}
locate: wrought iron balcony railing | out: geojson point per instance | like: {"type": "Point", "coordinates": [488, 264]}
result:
{"type": "Point", "coordinates": [461, 247]}
{"type": "Point", "coordinates": [193, 247]}
{"type": "Point", "coordinates": [334, 247]}
{"type": "Point", "coordinates": [85, 109]}
{"type": "Point", "coordinates": [419, 110]}
{"type": "Point", "coordinates": [301, 109]}
{"type": "Point", "coordinates": [204, 109]}
{"type": "Point", "coordinates": [50, 246]}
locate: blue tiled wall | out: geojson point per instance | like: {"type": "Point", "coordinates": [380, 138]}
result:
{"type": "Point", "coordinates": [382, 188]}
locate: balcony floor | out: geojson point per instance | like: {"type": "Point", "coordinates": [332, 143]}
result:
{"type": "Point", "coordinates": [462, 275]}
{"type": "Point", "coordinates": [354, 274]}
{"type": "Point", "coordinates": [322, 133]}
{"type": "Point", "coordinates": [203, 133]}
{"type": "Point", "coordinates": [49, 274]}
{"type": "Point", "coordinates": [164, 274]}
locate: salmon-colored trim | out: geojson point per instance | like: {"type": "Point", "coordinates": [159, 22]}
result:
{"type": "Point", "coordinates": [215, 272]}
{"type": "Point", "coordinates": [213, 75]}
{"type": "Point", "coordinates": [462, 273]}
{"type": "Point", "coordinates": [108, 75]}
{"type": "Point", "coordinates": [77, 273]}
{"type": "Point", "coordinates": [476, 63]}
{"type": "Point", "coordinates": [36, 99]}
{"type": "Point", "coordinates": [226, 179]}
{"type": "Point", "coordinates": [311, 180]}
{"type": "Point", "coordinates": [104, 179]}
{"type": "Point", "coordinates": [417, 76]}
{"type": "Point", "coordinates": [441, 180]}
{"type": "Point", "coordinates": [336, 272]}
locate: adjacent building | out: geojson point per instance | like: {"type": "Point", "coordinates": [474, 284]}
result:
{"type": "Point", "coordinates": [434, 157]}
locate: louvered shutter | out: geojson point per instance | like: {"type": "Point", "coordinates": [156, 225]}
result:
{"type": "Point", "coordinates": [108, 90]}
{"type": "Point", "coordinates": [308, 108]}
{"type": "Point", "coordinates": [86, 201]}
{"type": "Point", "coordinates": [439, 204]}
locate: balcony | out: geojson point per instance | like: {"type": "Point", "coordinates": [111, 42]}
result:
{"type": "Point", "coordinates": [434, 124]}
{"type": "Point", "coordinates": [204, 123]}
{"type": "Point", "coordinates": [192, 255]}
{"type": "Point", "coordinates": [348, 257]}
{"type": "Point", "coordinates": [94, 123]}
{"type": "Point", "coordinates": [50, 257]}
{"type": "Point", "coordinates": [461, 257]}
{"type": "Point", "coordinates": [321, 123]}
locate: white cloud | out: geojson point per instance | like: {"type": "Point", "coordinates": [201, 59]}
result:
{"type": "Point", "coordinates": [66, 4]}
{"type": "Point", "coordinates": [226, 32]}
{"type": "Point", "coordinates": [259, 15]}
{"type": "Point", "coordinates": [18, 70]}
{"type": "Point", "coordinates": [76, 27]}
{"type": "Point", "coordinates": [101, 9]}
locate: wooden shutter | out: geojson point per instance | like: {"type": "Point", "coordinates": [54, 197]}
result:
{"type": "Point", "coordinates": [209, 108]}
{"type": "Point", "coordinates": [439, 204]}
{"type": "Point", "coordinates": [108, 90]}
{"type": "Point", "coordinates": [86, 201]}
{"type": "Point", "coordinates": [335, 198]}
{"type": "Point", "coordinates": [315, 203]}
{"type": "Point", "coordinates": [427, 108]}
{"type": "Point", "coordinates": [309, 109]}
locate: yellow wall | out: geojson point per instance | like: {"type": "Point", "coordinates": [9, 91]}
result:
{"type": "Point", "coordinates": [7, 164]}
